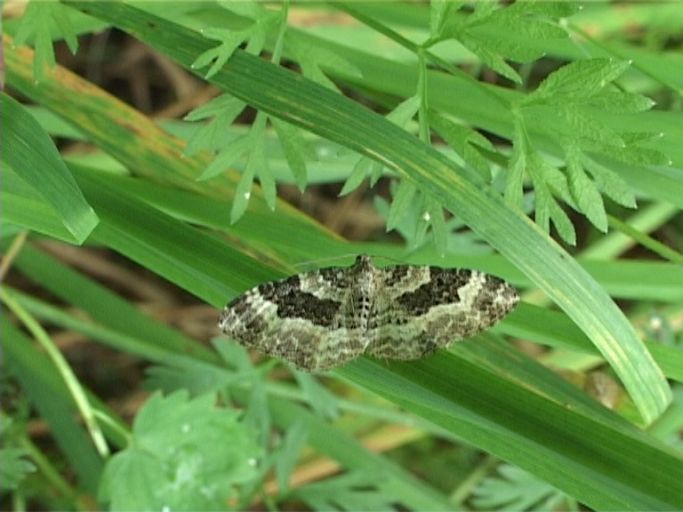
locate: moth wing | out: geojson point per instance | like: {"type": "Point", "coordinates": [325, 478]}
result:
{"type": "Point", "coordinates": [437, 307]}
{"type": "Point", "coordinates": [285, 320]}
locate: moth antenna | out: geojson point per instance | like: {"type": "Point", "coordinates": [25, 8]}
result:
{"type": "Point", "coordinates": [381, 257]}
{"type": "Point", "coordinates": [316, 262]}
{"type": "Point", "coordinates": [390, 259]}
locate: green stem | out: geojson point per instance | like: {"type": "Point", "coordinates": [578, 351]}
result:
{"type": "Point", "coordinates": [62, 367]}
{"type": "Point", "coordinates": [634, 230]}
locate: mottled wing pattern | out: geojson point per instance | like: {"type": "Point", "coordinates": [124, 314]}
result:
{"type": "Point", "coordinates": [421, 309]}
{"type": "Point", "coordinates": [320, 320]}
{"type": "Point", "coordinates": [303, 319]}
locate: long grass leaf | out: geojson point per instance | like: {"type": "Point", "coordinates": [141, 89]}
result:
{"type": "Point", "coordinates": [29, 152]}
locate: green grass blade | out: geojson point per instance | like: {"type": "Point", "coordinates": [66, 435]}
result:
{"type": "Point", "coordinates": [206, 265]}
{"type": "Point", "coordinates": [587, 458]}
{"type": "Point", "coordinates": [101, 304]}
{"type": "Point", "coordinates": [21, 208]}
{"type": "Point", "coordinates": [29, 152]}
{"type": "Point", "coordinates": [48, 393]}
{"type": "Point", "coordinates": [255, 229]}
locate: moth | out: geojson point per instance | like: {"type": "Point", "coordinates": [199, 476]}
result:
{"type": "Point", "coordinates": [322, 319]}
